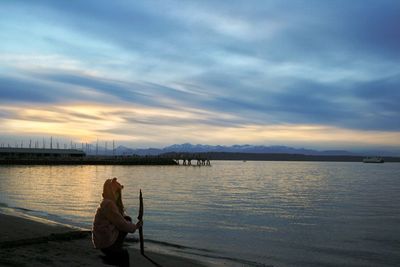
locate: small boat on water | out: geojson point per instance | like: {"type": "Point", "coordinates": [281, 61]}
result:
{"type": "Point", "coordinates": [373, 160]}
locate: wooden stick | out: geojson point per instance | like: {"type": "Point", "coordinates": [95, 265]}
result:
{"type": "Point", "coordinates": [140, 218]}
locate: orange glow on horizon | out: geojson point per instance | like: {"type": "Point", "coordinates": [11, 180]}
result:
{"type": "Point", "coordinates": [139, 124]}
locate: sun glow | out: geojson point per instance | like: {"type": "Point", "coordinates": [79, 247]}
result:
{"type": "Point", "coordinates": [139, 125]}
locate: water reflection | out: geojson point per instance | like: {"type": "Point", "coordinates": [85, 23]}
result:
{"type": "Point", "coordinates": [269, 211]}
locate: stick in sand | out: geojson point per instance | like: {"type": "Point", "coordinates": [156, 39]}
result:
{"type": "Point", "coordinates": [140, 218]}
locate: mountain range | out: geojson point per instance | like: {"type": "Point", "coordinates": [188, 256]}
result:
{"type": "Point", "coordinates": [190, 148]}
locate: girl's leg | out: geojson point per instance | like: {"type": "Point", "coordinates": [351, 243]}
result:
{"type": "Point", "coordinates": [119, 242]}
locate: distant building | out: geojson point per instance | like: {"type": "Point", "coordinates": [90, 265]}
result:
{"type": "Point", "coordinates": [29, 153]}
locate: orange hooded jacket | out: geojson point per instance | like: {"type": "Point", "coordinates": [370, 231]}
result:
{"type": "Point", "coordinates": [109, 221]}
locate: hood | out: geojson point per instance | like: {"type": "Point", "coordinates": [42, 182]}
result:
{"type": "Point", "coordinates": [108, 190]}
{"type": "Point", "coordinates": [110, 187]}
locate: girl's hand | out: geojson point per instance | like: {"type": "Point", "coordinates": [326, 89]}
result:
{"type": "Point", "coordinates": [139, 224]}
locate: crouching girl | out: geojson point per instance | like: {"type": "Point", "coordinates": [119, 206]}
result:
{"type": "Point", "coordinates": [111, 225]}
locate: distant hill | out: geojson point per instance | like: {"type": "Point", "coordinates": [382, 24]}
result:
{"type": "Point", "coordinates": [251, 149]}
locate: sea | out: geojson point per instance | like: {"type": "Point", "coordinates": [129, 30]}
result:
{"type": "Point", "coordinates": [233, 213]}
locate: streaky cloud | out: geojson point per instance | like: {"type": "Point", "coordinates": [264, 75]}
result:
{"type": "Point", "coordinates": [228, 66]}
{"type": "Point", "coordinates": [19, 90]}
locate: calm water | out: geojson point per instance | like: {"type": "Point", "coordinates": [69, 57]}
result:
{"type": "Point", "coordinates": [251, 213]}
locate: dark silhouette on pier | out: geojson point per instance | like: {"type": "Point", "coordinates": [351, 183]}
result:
{"type": "Point", "coordinates": [186, 159]}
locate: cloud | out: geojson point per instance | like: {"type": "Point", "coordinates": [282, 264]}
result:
{"type": "Point", "coordinates": [25, 88]}
{"type": "Point", "coordinates": [144, 127]}
{"type": "Point", "coordinates": [14, 89]}
{"type": "Point", "coordinates": [227, 65]}
{"type": "Point", "coordinates": [362, 105]}
{"type": "Point", "coordinates": [113, 88]}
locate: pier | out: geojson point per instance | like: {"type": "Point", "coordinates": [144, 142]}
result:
{"type": "Point", "coordinates": [189, 159]}
{"type": "Point", "coordinates": [46, 156]}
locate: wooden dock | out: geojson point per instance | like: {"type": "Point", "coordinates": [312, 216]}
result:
{"type": "Point", "coordinates": [37, 156]}
{"type": "Point", "coordinates": [189, 159]}
{"type": "Point", "coordinates": [90, 160]}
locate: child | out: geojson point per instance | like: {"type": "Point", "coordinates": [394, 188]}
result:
{"type": "Point", "coordinates": [111, 225]}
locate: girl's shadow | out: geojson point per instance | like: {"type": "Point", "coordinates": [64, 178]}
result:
{"type": "Point", "coordinates": [121, 259]}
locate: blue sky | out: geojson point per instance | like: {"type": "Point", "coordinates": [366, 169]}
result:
{"type": "Point", "coordinates": [319, 74]}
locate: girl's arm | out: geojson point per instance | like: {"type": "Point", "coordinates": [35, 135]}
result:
{"type": "Point", "coordinates": [115, 217]}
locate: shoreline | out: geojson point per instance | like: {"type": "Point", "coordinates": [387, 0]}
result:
{"type": "Point", "coordinates": [36, 242]}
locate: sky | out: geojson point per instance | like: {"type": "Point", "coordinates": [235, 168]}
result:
{"type": "Point", "coordinates": [315, 73]}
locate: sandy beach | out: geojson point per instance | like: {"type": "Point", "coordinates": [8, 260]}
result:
{"type": "Point", "coordinates": [31, 242]}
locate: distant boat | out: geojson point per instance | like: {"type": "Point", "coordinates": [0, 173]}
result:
{"type": "Point", "coordinates": [373, 160]}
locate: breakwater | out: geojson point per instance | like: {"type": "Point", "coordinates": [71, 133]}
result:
{"type": "Point", "coordinates": [288, 157]}
{"type": "Point", "coordinates": [88, 160]}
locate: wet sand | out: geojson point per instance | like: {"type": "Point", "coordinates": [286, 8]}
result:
{"type": "Point", "coordinates": [33, 242]}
